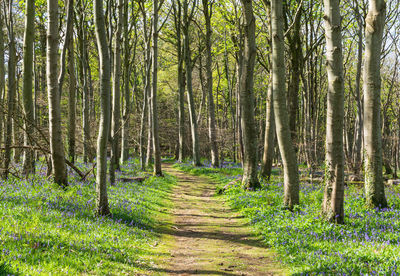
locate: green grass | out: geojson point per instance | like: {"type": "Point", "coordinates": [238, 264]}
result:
{"type": "Point", "coordinates": [367, 244]}
{"type": "Point", "coordinates": [45, 230]}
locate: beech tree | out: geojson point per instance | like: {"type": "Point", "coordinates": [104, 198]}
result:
{"type": "Point", "coordinates": [250, 179]}
{"type": "Point", "coordinates": [333, 208]}
{"type": "Point", "coordinates": [291, 177]}
{"type": "Point", "coordinates": [27, 89]}
{"type": "Point", "coordinates": [56, 142]}
{"type": "Point", "coordinates": [102, 208]}
{"type": "Point", "coordinates": [375, 23]}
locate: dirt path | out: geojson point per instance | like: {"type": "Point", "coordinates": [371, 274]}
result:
{"type": "Point", "coordinates": [209, 238]}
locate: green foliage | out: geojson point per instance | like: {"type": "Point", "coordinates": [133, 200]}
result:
{"type": "Point", "coordinates": [368, 242]}
{"type": "Point", "coordinates": [45, 230]}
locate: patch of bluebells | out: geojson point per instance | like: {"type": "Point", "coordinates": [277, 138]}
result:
{"type": "Point", "coordinates": [44, 229]}
{"type": "Point", "coordinates": [367, 244]}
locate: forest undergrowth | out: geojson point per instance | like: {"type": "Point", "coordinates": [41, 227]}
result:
{"type": "Point", "coordinates": [368, 243]}
{"type": "Point", "coordinates": [44, 229]}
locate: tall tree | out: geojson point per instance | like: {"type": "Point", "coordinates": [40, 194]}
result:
{"type": "Point", "coordinates": [116, 96]}
{"type": "Point", "coordinates": [27, 93]}
{"type": "Point", "coordinates": [212, 132]}
{"type": "Point", "coordinates": [102, 207]}
{"type": "Point", "coordinates": [375, 23]}
{"type": "Point", "coordinates": [127, 72]}
{"type": "Point", "coordinates": [154, 110]}
{"type": "Point", "coordinates": [333, 209]}
{"type": "Point", "coordinates": [2, 74]}
{"type": "Point", "coordinates": [187, 19]}
{"type": "Point", "coordinates": [250, 179]}
{"type": "Point", "coordinates": [181, 79]}
{"type": "Point", "coordinates": [71, 96]}
{"type": "Point", "coordinates": [11, 87]}
{"type": "Point", "coordinates": [56, 142]}
{"type": "Point", "coordinates": [291, 177]}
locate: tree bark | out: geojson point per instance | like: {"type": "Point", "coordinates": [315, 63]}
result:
{"type": "Point", "coordinates": [188, 62]}
{"type": "Point", "coordinates": [28, 160]}
{"type": "Point", "coordinates": [71, 101]}
{"type": "Point", "coordinates": [154, 110]}
{"type": "Point", "coordinates": [116, 104]}
{"type": "Point", "coordinates": [291, 177]}
{"type": "Point", "coordinates": [250, 179]}
{"type": "Point", "coordinates": [56, 142]}
{"type": "Point", "coordinates": [374, 186]}
{"type": "Point", "coordinates": [333, 209]}
{"type": "Point", "coordinates": [269, 140]}
{"type": "Point", "coordinates": [2, 76]}
{"type": "Point", "coordinates": [127, 102]}
{"type": "Point", "coordinates": [102, 208]}
{"type": "Point", "coordinates": [10, 93]}
{"type": "Point", "coordinates": [181, 80]}
{"type": "Point", "coordinates": [212, 132]}
{"type": "Point", "coordinates": [357, 162]}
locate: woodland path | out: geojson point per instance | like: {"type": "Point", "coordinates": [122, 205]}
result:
{"type": "Point", "coordinates": [208, 238]}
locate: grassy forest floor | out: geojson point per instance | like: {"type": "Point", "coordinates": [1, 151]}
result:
{"type": "Point", "coordinates": [178, 225]}
{"type": "Point", "coordinates": [367, 244]}
{"type": "Point", "coordinates": [45, 230]}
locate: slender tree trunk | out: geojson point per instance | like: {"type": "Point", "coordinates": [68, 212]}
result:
{"type": "Point", "coordinates": [28, 160]}
{"type": "Point", "coordinates": [154, 113]}
{"type": "Point", "coordinates": [71, 101]}
{"type": "Point", "coordinates": [142, 138]}
{"type": "Point", "coordinates": [188, 62]}
{"type": "Point", "coordinates": [374, 186]}
{"type": "Point", "coordinates": [56, 142]}
{"type": "Point", "coordinates": [296, 57]}
{"type": "Point", "coordinates": [105, 89]}
{"type": "Point", "coordinates": [291, 177]}
{"type": "Point", "coordinates": [10, 93]}
{"type": "Point", "coordinates": [333, 209]}
{"type": "Point", "coordinates": [357, 162]}
{"type": "Point", "coordinates": [181, 80]}
{"type": "Point", "coordinates": [212, 132]}
{"type": "Point", "coordinates": [2, 76]}
{"type": "Point", "coordinates": [84, 85]}
{"type": "Point", "coordinates": [127, 103]}
{"type": "Point", "coordinates": [116, 105]}
{"type": "Point", "coordinates": [269, 140]}
{"type": "Point", "coordinates": [250, 179]}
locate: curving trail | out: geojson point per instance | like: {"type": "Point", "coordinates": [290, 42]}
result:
{"type": "Point", "coordinates": [208, 238]}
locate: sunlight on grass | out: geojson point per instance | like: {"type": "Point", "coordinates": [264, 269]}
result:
{"type": "Point", "coordinates": [46, 230]}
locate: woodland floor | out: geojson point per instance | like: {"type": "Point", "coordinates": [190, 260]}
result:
{"type": "Point", "coordinates": [206, 237]}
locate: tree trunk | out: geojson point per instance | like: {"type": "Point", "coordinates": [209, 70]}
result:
{"type": "Point", "coordinates": [28, 160]}
{"type": "Point", "coordinates": [207, 10]}
{"type": "Point", "coordinates": [333, 209]}
{"type": "Point", "coordinates": [357, 162]}
{"type": "Point", "coordinates": [188, 62]}
{"type": "Point", "coordinates": [250, 179]}
{"type": "Point", "coordinates": [181, 80]}
{"type": "Point", "coordinates": [2, 76]}
{"type": "Point", "coordinates": [105, 75]}
{"type": "Point", "coordinates": [127, 103]}
{"type": "Point", "coordinates": [296, 57]}
{"type": "Point", "coordinates": [269, 140]}
{"type": "Point", "coordinates": [71, 101]}
{"type": "Point", "coordinates": [374, 186]}
{"type": "Point", "coordinates": [291, 177]}
{"type": "Point", "coordinates": [56, 142]}
{"type": "Point", "coordinates": [116, 106]}
{"type": "Point", "coordinates": [87, 151]}
{"type": "Point", "coordinates": [10, 93]}
{"type": "Point", "coordinates": [154, 110]}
